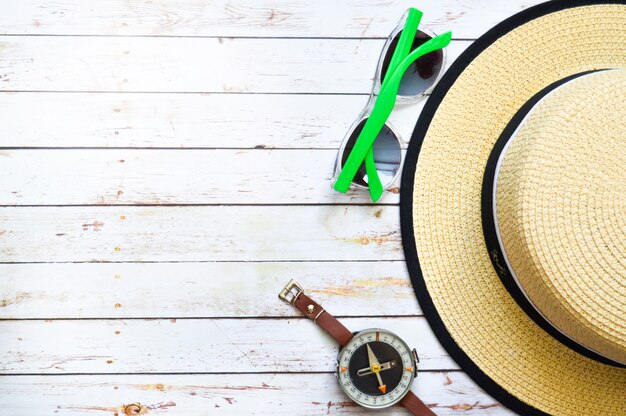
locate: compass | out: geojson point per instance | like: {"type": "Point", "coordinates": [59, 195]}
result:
{"type": "Point", "coordinates": [376, 368]}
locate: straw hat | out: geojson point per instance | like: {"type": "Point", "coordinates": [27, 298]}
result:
{"type": "Point", "coordinates": [513, 209]}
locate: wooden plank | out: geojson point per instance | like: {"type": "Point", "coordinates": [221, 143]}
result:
{"type": "Point", "coordinates": [199, 233]}
{"type": "Point", "coordinates": [194, 345]}
{"type": "Point", "coordinates": [354, 18]}
{"type": "Point", "coordinates": [446, 393]}
{"type": "Point", "coordinates": [44, 63]}
{"type": "Point", "coordinates": [184, 120]}
{"type": "Point", "coordinates": [161, 177]}
{"type": "Point", "coordinates": [177, 290]}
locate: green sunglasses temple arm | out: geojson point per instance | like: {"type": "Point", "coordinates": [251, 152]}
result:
{"type": "Point", "coordinates": [374, 184]}
{"type": "Point", "coordinates": [401, 51]}
{"type": "Point", "coordinates": [404, 43]}
{"type": "Point", "coordinates": [390, 92]}
{"type": "Point", "coordinates": [382, 108]}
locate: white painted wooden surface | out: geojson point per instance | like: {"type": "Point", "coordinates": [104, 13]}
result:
{"type": "Point", "coordinates": [164, 171]}
{"type": "Point", "coordinates": [200, 233]}
{"type": "Point", "coordinates": [450, 393]}
{"type": "Point", "coordinates": [207, 121]}
{"type": "Point", "coordinates": [186, 65]}
{"type": "Point", "coordinates": [161, 177]}
{"type": "Point", "coordinates": [201, 289]}
{"type": "Point", "coordinates": [192, 345]}
{"type": "Point", "coordinates": [275, 18]}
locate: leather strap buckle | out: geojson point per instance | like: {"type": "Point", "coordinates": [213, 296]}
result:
{"type": "Point", "coordinates": [290, 292]}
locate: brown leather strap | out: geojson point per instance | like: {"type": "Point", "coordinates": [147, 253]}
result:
{"type": "Point", "coordinates": [329, 323]}
{"type": "Point", "coordinates": [415, 405]}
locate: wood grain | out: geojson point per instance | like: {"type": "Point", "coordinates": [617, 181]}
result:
{"type": "Point", "coordinates": [206, 233]}
{"type": "Point", "coordinates": [177, 290]}
{"type": "Point", "coordinates": [194, 345]}
{"type": "Point", "coordinates": [92, 64]}
{"type": "Point", "coordinates": [162, 177]}
{"type": "Point", "coordinates": [323, 18]}
{"type": "Point", "coordinates": [185, 120]}
{"type": "Point", "coordinates": [447, 393]}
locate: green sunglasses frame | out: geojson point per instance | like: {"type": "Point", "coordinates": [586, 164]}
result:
{"type": "Point", "coordinates": [400, 62]}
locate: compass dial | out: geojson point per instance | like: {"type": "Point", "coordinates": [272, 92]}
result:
{"type": "Point", "coordinates": [376, 368]}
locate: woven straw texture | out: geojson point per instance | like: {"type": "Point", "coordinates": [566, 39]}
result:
{"type": "Point", "coordinates": [478, 312]}
{"type": "Point", "coordinates": [561, 205]}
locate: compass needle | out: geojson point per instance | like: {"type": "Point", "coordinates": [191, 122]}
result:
{"type": "Point", "coordinates": [372, 358]}
{"type": "Point", "coordinates": [382, 387]}
{"type": "Point", "coordinates": [375, 367]}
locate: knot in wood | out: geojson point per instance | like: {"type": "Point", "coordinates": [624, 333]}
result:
{"type": "Point", "coordinates": [132, 409]}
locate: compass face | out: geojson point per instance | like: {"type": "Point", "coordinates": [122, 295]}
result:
{"type": "Point", "coordinates": [376, 368]}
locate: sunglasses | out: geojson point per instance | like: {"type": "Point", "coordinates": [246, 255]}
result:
{"type": "Point", "coordinates": [410, 65]}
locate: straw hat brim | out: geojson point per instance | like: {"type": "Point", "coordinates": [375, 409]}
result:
{"type": "Point", "coordinates": [471, 312]}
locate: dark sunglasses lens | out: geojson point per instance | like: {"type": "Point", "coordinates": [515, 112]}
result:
{"type": "Point", "coordinates": [422, 73]}
{"type": "Point", "coordinates": [387, 155]}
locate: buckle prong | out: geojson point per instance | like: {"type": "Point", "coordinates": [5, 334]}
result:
{"type": "Point", "coordinates": [290, 292]}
